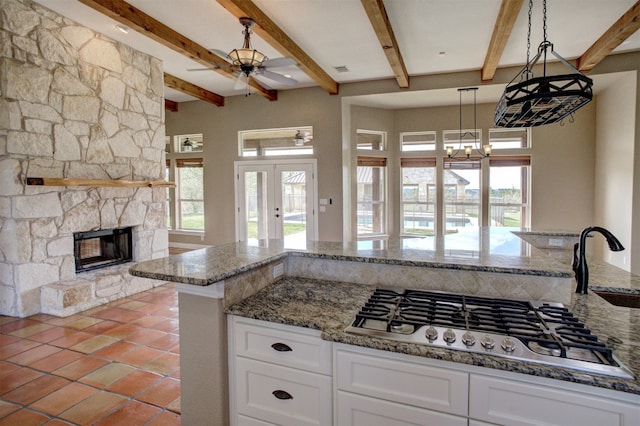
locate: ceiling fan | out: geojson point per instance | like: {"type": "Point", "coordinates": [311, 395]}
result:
{"type": "Point", "coordinates": [301, 138]}
{"type": "Point", "coordinates": [250, 62]}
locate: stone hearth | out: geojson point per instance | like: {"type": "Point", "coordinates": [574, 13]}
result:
{"type": "Point", "coordinates": [74, 104]}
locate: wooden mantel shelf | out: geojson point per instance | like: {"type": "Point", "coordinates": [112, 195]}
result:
{"type": "Point", "coordinates": [98, 182]}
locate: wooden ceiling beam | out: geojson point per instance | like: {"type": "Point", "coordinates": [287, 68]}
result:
{"type": "Point", "coordinates": [621, 30]}
{"type": "Point", "coordinates": [136, 19]}
{"type": "Point", "coordinates": [509, 10]}
{"type": "Point", "coordinates": [279, 40]}
{"type": "Point", "coordinates": [382, 27]}
{"type": "Point", "coordinates": [191, 89]}
{"type": "Point", "coordinates": [170, 105]}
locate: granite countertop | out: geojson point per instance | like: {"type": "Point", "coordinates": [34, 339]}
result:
{"type": "Point", "coordinates": [487, 249]}
{"type": "Point", "coordinates": [331, 306]}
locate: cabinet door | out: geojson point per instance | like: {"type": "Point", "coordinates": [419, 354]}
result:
{"type": "Point", "coordinates": [281, 395]}
{"type": "Point", "coordinates": [519, 403]}
{"type": "Point", "coordinates": [403, 381]}
{"type": "Point", "coordinates": [358, 410]}
{"type": "Point", "coordinates": [287, 346]}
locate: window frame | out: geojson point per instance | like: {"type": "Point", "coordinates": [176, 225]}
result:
{"type": "Point", "coordinates": [175, 159]}
{"type": "Point", "coordinates": [382, 203]}
{"type": "Point", "coordinates": [423, 163]}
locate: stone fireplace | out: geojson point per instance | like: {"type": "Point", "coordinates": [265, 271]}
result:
{"type": "Point", "coordinates": [74, 105]}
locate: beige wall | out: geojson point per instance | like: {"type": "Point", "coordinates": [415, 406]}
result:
{"type": "Point", "coordinates": [614, 164]}
{"type": "Point", "coordinates": [220, 126]}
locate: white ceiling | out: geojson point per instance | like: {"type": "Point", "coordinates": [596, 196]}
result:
{"type": "Point", "coordinates": [434, 36]}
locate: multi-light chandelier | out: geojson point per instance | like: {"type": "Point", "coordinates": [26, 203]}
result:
{"type": "Point", "coordinates": [468, 150]}
{"type": "Point", "coordinates": [530, 101]}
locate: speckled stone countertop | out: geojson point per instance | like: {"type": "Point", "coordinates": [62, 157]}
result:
{"type": "Point", "coordinates": [331, 306]}
{"type": "Point", "coordinates": [487, 249]}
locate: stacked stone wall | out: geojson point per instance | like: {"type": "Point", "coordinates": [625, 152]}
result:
{"type": "Point", "coordinates": [73, 104]}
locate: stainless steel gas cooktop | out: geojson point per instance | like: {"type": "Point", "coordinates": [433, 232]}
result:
{"type": "Point", "coordinates": [533, 331]}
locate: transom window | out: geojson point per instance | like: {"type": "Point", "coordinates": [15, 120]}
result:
{"type": "Point", "coordinates": [292, 141]}
{"type": "Point", "coordinates": [508, 138]}
{"type": "Point", "coordinates": [418, 141]}
{"type": "Point", "coordinates": [371, 140]}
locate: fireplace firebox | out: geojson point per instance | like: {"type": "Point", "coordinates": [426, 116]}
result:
{"type": "Point", "coordinates": [102, 248]}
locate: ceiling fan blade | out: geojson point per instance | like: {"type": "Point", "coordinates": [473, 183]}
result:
{"type": "Point", "coordinates": [277, 77]}
{"type": "Point", "coordinates": [278, 62]}
{"type": "Point", "coordinates": [220, 53]}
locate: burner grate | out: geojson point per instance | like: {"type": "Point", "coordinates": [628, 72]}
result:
{"type": "Point", "coordinates": [548, 329]}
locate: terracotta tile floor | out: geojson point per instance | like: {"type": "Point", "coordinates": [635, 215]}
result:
{"type": "Point", "coordinates": [117, 364]}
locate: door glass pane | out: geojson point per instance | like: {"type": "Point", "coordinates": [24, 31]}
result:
{"type": "Point", "coordinates": [293, 185]}
{"type": "Point", "coordinates": [256, 205]}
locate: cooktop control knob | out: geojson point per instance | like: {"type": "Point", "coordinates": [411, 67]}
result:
{"type": "Point", "coordinates": [431, 333]}
{"type": "Point", "coordinates": [508, 345]}
{"type": "Point", "coordinates": [487, 342]}
{"type": "Point", "coordinates": [468, 339]}
{"type": "Point", "coordinates": [449, 336]}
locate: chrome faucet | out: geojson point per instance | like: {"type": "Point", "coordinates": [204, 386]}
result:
{"type": "Point", "coordinates": [579, 263]}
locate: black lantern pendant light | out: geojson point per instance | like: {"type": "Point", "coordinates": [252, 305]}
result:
{"type": "Point", "coordinates": [534, 101]}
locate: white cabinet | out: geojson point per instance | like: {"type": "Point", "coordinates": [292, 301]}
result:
{"type": "Point", "coordinates": [289, 376]}
{"type": "Point", "coordinates": [513, 402]}
{"type": "Point", "coordinates": [358, 410]}
{"type": "Point", "coordinates": [278, 375]}
{"type": "Point", "coordinates": [406, 390]}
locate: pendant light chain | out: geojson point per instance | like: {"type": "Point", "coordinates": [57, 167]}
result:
{"type": "Point", "coordinates": [529, 34]}
{"type": "Point", "coordinates": [544, 19]}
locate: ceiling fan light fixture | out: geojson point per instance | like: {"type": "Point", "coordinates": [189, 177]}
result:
{"type": "Point", "coordinates": [246, 57]}
{"type": "Point", "coordinates": [535, 101]}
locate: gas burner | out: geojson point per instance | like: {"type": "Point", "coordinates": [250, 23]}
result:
{"type": "Point", "coordinates": [543, 332]}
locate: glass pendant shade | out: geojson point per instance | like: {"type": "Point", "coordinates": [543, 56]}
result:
{"type": "Point", "coordinates": [246, 57]}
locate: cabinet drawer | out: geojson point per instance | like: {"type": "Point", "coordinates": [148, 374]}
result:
{"type": "Point", "coordinates": [518, 403]}
{"type": "Point", "coordinates": [250, 421]}
{"type": "Point", "coordinates": [310, 401]}
{"type": "Point", "coordinates": [289, 346]}
{"type": "Point", "coordinates": [358, 410]}
{"type": "Point", "coordinates": [403, 381]}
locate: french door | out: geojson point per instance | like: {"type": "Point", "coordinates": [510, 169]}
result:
{"type": "Point", "coordinates": [276, 200]}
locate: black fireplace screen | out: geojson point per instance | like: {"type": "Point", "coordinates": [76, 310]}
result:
{"type": "Point", "coordinates": [102, 248]}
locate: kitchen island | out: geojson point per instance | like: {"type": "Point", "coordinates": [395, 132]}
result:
{"type": "Point", "coordinates": [491, 263]}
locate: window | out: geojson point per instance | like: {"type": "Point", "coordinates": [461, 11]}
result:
{"type": "Point", "coordinates": [184, 166]}
{"type": "Point", "coordinates": [418, 141]}
{"type": "Point", "coordinates": [371, 196]}
{"type": "Point", "coordinates": [190, 194]}
{"type": "Point", "coordinates": [189, 143]}
{"type": "Point", "coordinates": [276, 142]}
{"type": "Point", "coordinates": [508, 138]}
{"type": "Point", "coordinates": [418, 197]}
{"type": "Point", "coordinates": [508, 191]}
{"type": "Point", "coordinates": [371, 140]}
{"type": "Point", "coordinates": [461, 181]}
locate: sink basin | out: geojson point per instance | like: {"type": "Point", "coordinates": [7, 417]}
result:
{"type": "Point", "coordinates": [620, 299]}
